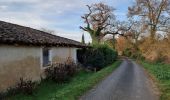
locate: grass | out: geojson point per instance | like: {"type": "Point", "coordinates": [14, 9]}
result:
{"type": "Point", "coordinates": [79, 84]}
{"type": "Point", "coordinates": [161, 72]}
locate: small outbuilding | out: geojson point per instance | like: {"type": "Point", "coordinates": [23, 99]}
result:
{"type": "Point", "coordinates": [25, 53]}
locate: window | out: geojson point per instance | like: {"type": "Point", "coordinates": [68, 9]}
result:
{"type": "Point", "coordinates": [46, 57]}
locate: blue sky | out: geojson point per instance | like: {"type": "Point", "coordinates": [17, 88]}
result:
{"type": "Point", "coordinates": [61, 16]}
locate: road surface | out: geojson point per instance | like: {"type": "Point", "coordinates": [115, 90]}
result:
{"type": "Point", "coordinates": [127, 82]}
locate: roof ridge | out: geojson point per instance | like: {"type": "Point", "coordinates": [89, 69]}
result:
{"type": "Point", "coordinates": [36, 30]}
{"type": "Point", "coordinates": [40, 36]}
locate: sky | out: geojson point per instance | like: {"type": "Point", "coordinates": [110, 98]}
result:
{"type": "Point", "coordinates": [61, 16]}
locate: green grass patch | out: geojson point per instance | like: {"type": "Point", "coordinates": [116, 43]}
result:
{"type": "Point", "coordinates": [162, 73]}
{"type": "Point", "coordinates": [78, 85]}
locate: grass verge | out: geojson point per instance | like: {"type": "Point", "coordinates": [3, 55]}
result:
{"type": "Point", "coordinates": [78, 85]}
{"type": "Point", "coordinates": [161, 72]}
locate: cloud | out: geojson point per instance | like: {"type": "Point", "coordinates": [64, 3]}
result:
{"type": "Point", "coordinates": [63, 16]}
{"type": "Point", "coordinates": [3, 7]}
{"type": "Point", "coordinates": [25, 19]}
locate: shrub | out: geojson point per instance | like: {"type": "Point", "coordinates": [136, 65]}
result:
{"type": "Point", "coordinates": [71, 67]}
{"type": "Point", "coordinates": [11, 91]}
{"type": "Point", "coordinates": [61, 72]}
{"type": "Point", "coordinates": [127, 52]}
{"type": "Point", "coordinates": [2, 96]}
{"type": "Point", "coordinates": [97, 56]}
{"type": "Point", "coordinates": [26, 86]}
{"type": "Point", "coordinates": [57, 73]}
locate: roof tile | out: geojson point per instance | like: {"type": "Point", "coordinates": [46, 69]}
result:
{"type": "Point", "coordinates": [16, 34]}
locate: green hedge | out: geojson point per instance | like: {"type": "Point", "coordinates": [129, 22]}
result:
{"type": "Point", "coordinates": [97, 56]}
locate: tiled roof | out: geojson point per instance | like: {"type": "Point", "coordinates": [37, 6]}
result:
{"type": "Point", "coordinates": [21, 35]}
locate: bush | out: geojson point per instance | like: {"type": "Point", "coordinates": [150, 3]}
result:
{"type": "Point", "coordinates": [97, 56]}
{"type": "Point", "coordinates": [61, 72]}
{"type": "Point", "coordinates": [9, 92]}
{"type": "Point", "coordinates": [26, 86]}
{"type": "Point", "coordinates": [57, 73]}
{"type": "Point", "coordinates": [127, 52]}
{"type": "Point", "coordinates": [2, 96]}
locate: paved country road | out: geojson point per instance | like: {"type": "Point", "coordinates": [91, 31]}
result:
{"type": "Point", "coordinates": [127, 82]}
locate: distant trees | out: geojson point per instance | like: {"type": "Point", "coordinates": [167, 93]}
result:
{"type": "Point", "coordinates": [149, 34]}
{"type": "Point", "coordinates": [121, 44]}
{"type": "Point", "coordinates": [146, 33]}
{"type": "Point", "coordinates": [153, 13]}
{"type": "Point", "coordinates": [135, 33]}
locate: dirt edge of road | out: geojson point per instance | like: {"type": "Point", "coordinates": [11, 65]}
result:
{"type": "Point", "coordinates": [154, 82]}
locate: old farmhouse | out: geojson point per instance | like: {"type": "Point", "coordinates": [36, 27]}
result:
{"type": "Point", "coordinates": [26, 52]}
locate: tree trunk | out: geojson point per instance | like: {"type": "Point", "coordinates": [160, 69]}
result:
{"type": "Point", "coordinates": [153, 34]}
{"type": "Point", "coordinates": [95, 40]}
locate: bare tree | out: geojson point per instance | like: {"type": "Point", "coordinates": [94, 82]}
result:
{"type": "Point", "coordinates": [154, 14]}
{"type": "Point", "coordinates": [98, 20]}
{"type": "Point", "coordinates": [137, 29]}
{"type": "Point", "coordinates": [134, 36]}
{"type": "Point", "coordinates": [121, 29]}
